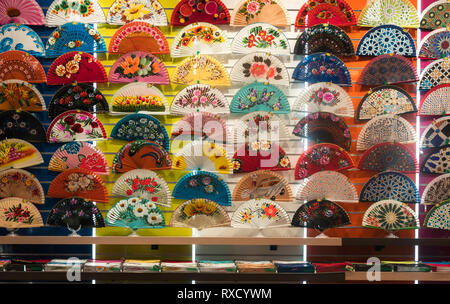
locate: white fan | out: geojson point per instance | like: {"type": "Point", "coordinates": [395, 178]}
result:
{"type": "Point", "coordinates": [260, 213]}
{"type": "Point", "coordinates": [199, 97]}
{"type": "Point", "coordinates": [124, 11]}
{"type": "Point", "coordinates": [260, 125]}
{"type": "Point", "coordinates": [64, 11]}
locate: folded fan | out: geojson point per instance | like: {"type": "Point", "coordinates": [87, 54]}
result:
{"type": "Point", "coordinates": [390, 215]}
{"type": "Point", "coordinates": [20, 95]}
{"type": "Point", "coordinates": [21, 38]}
{"type": "Point", "coordinates": [437, 134]}
{"type": "Point", "coordinates": [19, 213]}
{"type": "Point", "coordinates": [139, 97]}
{"type": "Point", "coordinates": [437, 190]}
{"type": "Point", "coordinates": [211, 11]}
{"type": "Point", "coordinates": [260, 126]}
{"type": "Point", "coordinates": [17, 153]}
{"type": "Point", "coordinates": [22, 12]}
{"type": "Point", "coordinates": [436, 101]}
{"type": "Point", "coordinates": [63, 11]}
{"type": "Point", "coordinates": [398, 12]}
{"type": "Point", "coordinates": [389, 157]}
{"type": "Point", "coordinates": [262, 155]}
{"type": "Point", "coordinates": [200, 213]}
{"type": "Point", "coordinates": [26, 67]}
{"type": "Point", "coordinates": [202, 125]}
{"type": "Point", "coordinates": [435, 15]}
{"type": "Point", "coordinates": [22, 125]}
{"type": "Point", "coordinates": [437, 161]}
{"type": "Point", "coordinates": [201, 69]}
{"type": "Point", "coordinates": [252, 11]}
{"type": "Point", "coordinates": [439, 216]}
{"type": "Point", "coordinates": [124, 11]}
{"type": "Point", "coordinates": [22, 184]}
{"type": "Point", "coordinates": [327, 11]}
{"type": "Point", "coordinates": [260, 213]}
{"type": "Point", "coordinates": [199, 97]}
{"type": "Point", "coordinates": [434, 74]}
{"type": "Point", "coordinates": [435, 45]}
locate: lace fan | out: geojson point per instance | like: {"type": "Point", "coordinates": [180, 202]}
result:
{"type": "Point", "coordinates": [262, 155]}
{"type": "Point", "coordinates": [253, 11]}
{"type": "Point", "coordinates": [437, 190]}
{"type": "Point", "coordinates": [211, 11]}
{"type": "Point", "coordinates": [201, 125]}
{"type": "Point", "coordinates": [22, 125]}
{"type": "Point", "coordinates": [260, 126]}
{"type": "Point", "coordinates": [199, 213]}
{"type": "Point", "coordinates": [335, 12]}
{"type": "Point", "coordinates": [22, 12]}
{"type": "Point", "coordinates": [19, 213]}
{"type": "Point", "coordinates": [437, 161]}
{"type": "Point", "coordinates": [439, 216]}
{"type": "Point", "coordinates": [435, 45]}
{"type": "Point", "coordinates": [199, 97]}
{"type": "Point", "coordinates": [436, 101]}
{"type": "Point", "coordinates": [398, 12]}
{"type": "Point", "coordinates": [21, 38]}
{"type": "Point", "coordinates": [260, 213]}
{"type": "Point", "coordinates": [22, 184]}
{"type": "Point", "coordinates": [20, 95]}
{"type": "Point", "coordinates": [201, 69]}
{"type": "Point", "coordinates": [435, 15]}
{"type": "Point", "coordinates": [17, 153]}
{"type": "Point", "coordinates": [85, 11]}
{"type": "Point", "coordinates": [434, 74]}
{"type": "Point", "coordinates": [21, 66]}
{"type": "Point", "coordinates": [437, 134]}
{"type": "Point", "coordinates": [124, 11]}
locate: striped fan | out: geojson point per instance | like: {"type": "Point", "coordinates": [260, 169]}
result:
{"type": "Point", "coordinates": [437, 134]}
{"type": "Point", "coordinates": [22, 12]}
{"type": "Point", "coordinates": [124, 11]}
{"type": "Point", "coordinates": [329, 185]}
{"type": "Point", "coordinates": [434, 74]}
{"type": "Point", "coordinates": [201, 69]}
{"type": "Point", "coordinates": [260, 156]}
{"type": "Point", "coordinates": [385, 128]}
{"type": "Point", "coordinates": [202, 125]}
{"type": "Point", "coordinates": [260, 213]}
{"type": "Point", "coordinates": [63, 11]}
{"type": "Point", "coordinates": [437, 161]}
{"type": "Point", "coordinates": [437, 190]}
{"type": "Point", "coordinates": [253, 11]}
{"type": "Point", "coordinates": [398, 12]}
{"type": "Point", "coordinates": [390, 215]}
{"type": "Point", "coordinates": [261, 67]}
{"type": "Point", "coordinates": [19, 213]}
{"type": "Point", "coordinates": [26, 67]}
{"type": "Point", "coordinates": [22, 184]}
{"type": "Point", "coordinates": [336, 12]}
{"type": "Point", "coordinates": [21, 38]}
{"type": "Point", "coordinates": [17, 153]}
{"type": "Point", "coordinates": [211, 11]}
{"type": "Point", "coordinates": [139, 97]}
{"type": "Point", "coordinates": [435, 45]}
{"type": "Point", "coordinates": [435, 15]}
{"type": "Point", "coordinates": [199, 213]}
{"type": "Point", "coordinates": [436, 101]}
{"type": "Point", "coordinates": [260, 126]}
{"type": "Point", "coordinates": [439, 216]}
{"type": "Point", "coordinates": [20, 95]}
{"type": "Point", "coordinates": [75, 155]}
{"type": "Point", "coordinates": [199, 97]}
{"type": "Point", "coordinates": [22, 125]}
{"type": "Point", "coordinates": [262, 184]}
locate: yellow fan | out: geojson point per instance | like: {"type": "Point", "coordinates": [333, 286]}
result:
{"type": "Point", "coordinates": [252, 11]}
{"type": "Point", "coordinates": [16, 213]}
{"type": "Point", "coordinates": [17, 153]}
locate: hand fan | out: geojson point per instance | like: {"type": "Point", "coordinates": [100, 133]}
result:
{"type": "Point", "coordinates": [211, 11]}
{"type": "Point", "coordinates": [85, 11]}
{"type": "Point", "coordinates": [389, 157]}
{"type": "Point", "coordinates": [434, 74]}
{"type": "Point", "coordinates": [124, 11]}
{"type": "Point", "coordinates": [439, 216]}
{"type": "Point", "coordinates": [199, 213]}
{"type": "Point", "coordinates": [139, 97]}
{"type": "Point", "coordinates": [322, 157]}
{"type": "Point", "coordinates": [390, 215]}
{"type": "Point", "coordinates": [437, 134]}
{"type": "Point", "coordinates": [22, 184]}
{"type": "Point", "coordinates": [437, 190]}
{"type": "Point", "coordinates": [388, 69]}
{"type": "Point", "coordinates": [260, 126]}
{"type": "Point", "coordinates": [141, 127]}
{"type": "Point", "coordinates": [398, 12]}
{"type": "Point", "coordinates": [21, 66]}
{"type": "Point", "coordinates": [329, 185]}
{"type": "Point", "coordinates": [199, 97]}
{"type": "Point", "coordinates": [435, 45]}
{"type": "Point", "coordinates": [259, 96]}
{"type": "Point", "coordinates": [141, 154]}
{"type": "Point", "coordinates": [21, 38]}
{"type": "Point", "coordinates": [19, 213]}
{"type": "Point", "coordinates": [203, 155]}
{"type": "Point", "coordinates": [324, 97]}
{"type": "Point", "coordinates": [335, 12]}
{"type": "Point", "coordinates": [260, 156]}
{"type": "Point", "coordinates": [22, 125]}
{"type": "Point", "coordinates": [75, 125]}
{"type": "Point", "coordinates": [144, 184]}
{"type": "Point", "coordinates": [203, 184]}
{"type": "Point", "coordinates": [74, 36]}
{"type": "Point", "coordinates": [386, 99]}
{"type": "Point", "coordinates": [437, 161]}
{"type": "Point", "coordinates": [435, 15]}
{"type": "Point", "coordinates": [17, 153]}
{"type": "Point", "coordinates": [385, 128]}
{"type": "Point", "coordinates": [324, 38]}
{"type": "Point", "coordinates": [323, 67]}
{"type": "Point", "coordinates": [76, 67]}
{"type": "Point", "coordinates": [262, 184]}
{"type": "Point", "coordinates": [436, 101]}
{"type": "Point", "coordinates": [260, 67]}
{"type": "Point", "coordinates": [262, 37]}
{"type": "Point", "coordinates": [324, 127]}
{"type": "Point", "coordinates": [200, 125]}
{"type": "Point", "coordinates": [252, 11]}
{"type": "Point", "coordinates": [22, 12]}
{"type": "Point", "coordinates": [78, 182]}
{"type": "Point", "coordinates": [75, 155]}
{"type": "Point", "coordinates": [390, 186]}
{"type": "Point", "coordinates": [201, 68]}
{"type": "Point", "coordinates": [260, 213]}
{"type": "Point", "coordinates": [20, 95]}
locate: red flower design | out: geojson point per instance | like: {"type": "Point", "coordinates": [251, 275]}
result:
{"type": "Point", "coordinates": [271, 211]}
{"type": "Point", "coordinates": [77, 128]}
{"type": "Point", "coordinates": [258, 69]}
{"type": "Point", "coordinates": [129, 192]}
{"type": "Point", "coordinates": [70, 120]}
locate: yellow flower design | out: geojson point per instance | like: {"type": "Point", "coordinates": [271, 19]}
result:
{"type": "Point", "coordinates": [209, 208]}
{"type": "Point", "coordinates": [199, 205]}
{"type": "Point", "coordinates": [4, 180]}
{"type": "Point", "coordinates": [189, 210]}
{"type": "Point", "coordinates": [246, 216]}
{"type": "Point", "coordinates": [135, 11]}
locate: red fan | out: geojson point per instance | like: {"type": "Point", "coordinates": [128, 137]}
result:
{"type": "Point", "coordinates": [202, 124]}
{"type": "Point", "coordinates": [260, 156]}
{"type": "Point", "coordinates": [22, 66]}
{"type": "Point", "coordinates": [389, 157]}
{"type": "Point", "coordinates": [335, 12]}
{"type": "Point", "coordinates": [189, 11]}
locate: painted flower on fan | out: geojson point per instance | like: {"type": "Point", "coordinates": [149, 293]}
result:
{"type": "Point", "coordinates": [284, 162]}
{"type": "Point", "coordinates": [135, 11]}
{"type": "Point", "coordinates": [154, 218]}
{"type": "Point", "coordinates": [60, 70]}
{"type": "Point", "coordinates": [139, 210]}
{"type": "Point", "coordinates": [246, 216]}
{"type": "Point", "coordinates": [302, 172]}
{"type": "Point", "coordinates": [209, 208]}
{"type": "Point", "coordinates": [236, 165]}
{"type": "Point", "coordinates": [130, 65]}
{"type": "Point", "coordinates": [270, 210]}
{"type": "Point", "coordinates": [252, 7]}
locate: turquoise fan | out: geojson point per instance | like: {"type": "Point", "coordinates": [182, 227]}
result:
{"type": "Point", "coordinates": [439, 216]}
{"type": "Point", "coordinates": [19, 37]}
{"type": "Point", "coordinates": [437, 161]}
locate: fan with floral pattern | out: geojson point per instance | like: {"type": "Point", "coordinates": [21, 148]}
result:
{"type": "Point", "coordinates": [17, 153]}
{"type": "Point", "coordinates": [199, 97]}
{"type": "Point", "coordinates": [261, 214]}
{"type": "Point", "coordinates": [64, 11]}
{"type": "Point", "coordinates": [200, 125]}
{"type": "Point", "coordinates": [20, 95]}
{"type": "Point", "coordinates": [26, 67]}
{"type": "Point", "coordinates": [201, 69]}
{"type": "Point", "coordinates": [260, 155]}
{"type": "Point", "coordinates": [18, 213]}
{"type": "Point", "coordinates": [125, 11]}
{"type": "Point", "coordinates": [22, 184]}
{"type": "Point", "coordinates": [139, 97]}
{"type": "Point", "coordinates": [260, 126]}
{"type": "Point", "coordinates": [22, 125]}
{"type": "Point", "coordinates": [335, 12]}
{"type": "Point", "coordinates": [200, 213]}
{"type": "Point", "coordinates": [252, 11]}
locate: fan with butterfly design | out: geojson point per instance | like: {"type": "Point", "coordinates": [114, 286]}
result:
{"type": "Point", "coordinates": [335, 12]}
{"type": "Point", "coordinates": [27, 12]}
{"type": "Point", "coordinates": [18, 213]}
{"type": "Point", "coordinates": [436, 101]}
{"type": "Point", "coordinates": [17, 153]}
{"type": "Point", "coordinates": [200, 213]}
{"type": "Point", "coordinates": [201, 69]}
{"type": "Point", "coordinates": [125, 11]}
{"type": "Point", "coordinates": [436, 161]}
{"type": "Point", "coordinates": [22, 125]}
{"type": "Point", "coordinates": [439, 216]}
{"type": "Point", "coordinates": [252, 11]}
{"type": "Point", "coordinates": [437, 134]}
{"type": "Point", "coordinates": [261, 214]}
{"type": "Point", "coordinates": [435, 45]}
{"type": "Point", "coordinates": [21, 38]}
{"type": "Point", "coordinates": [22, 184]}
{"type": "Point", "coordinates": [398, 12]}
{"type": "Point", "coordinates": [211, 11]}
{"type": "Point", "coordinates": [389, 157]}
{"type": "Point", "coordinates": [437, 190]}
{"type": "Point", "coordinates": [20, 95]}
{"type": "Point", "coordinates": [200, 125]}
{"type": "Point", "coordinates": [260, 155]}
{"type": "Point", "coordinates": [63, 11]}
{"type": "Point", "coordinates": [436, 73]}
{"type": "Point", "coordinates": [22, 66]}
{"type": "Point", "coordinates": [435, 15]}
{"type": "Point", "coordinates": [199, 97]}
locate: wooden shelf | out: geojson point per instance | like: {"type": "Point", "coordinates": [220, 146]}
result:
{"type": "Point", "coordinates": [440, 242]}
{"type": "Point", "coordinates": [401, 276]}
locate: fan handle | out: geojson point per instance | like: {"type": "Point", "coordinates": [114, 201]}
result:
{"type": "Point", "coordinates": [12, 231]}
{"type": "Point", "coordinates": [74, 231]}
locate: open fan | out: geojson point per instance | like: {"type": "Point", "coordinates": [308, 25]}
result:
{"type": "Point", "coordinates": [387, 157]}
{"type": "Point", "coordinates": [202, 184]}
{"type": "Point", "coordinates": [437, 161]}
{"type": "Point", "coordinates": [200, 125]}
{"type": "Point", "coordinates": [398, 12]}
{"type": "Point", "coordinates": [21, 38]}
{"type": "Point", "coordinates": [260, 155]}
{"type": "Point", "coordinates": [262, 184]}
{"type": "Point", "coordinates": [75, 125]}
{"type": "Point", "coordinates": [124, 11]}
{"type": "Point", "coordinates": [322, 157]}
{"type": "Point", "coordinates": [437, 190]}
{"type": "Point", "coordinates": [141, 154]}
{"type": "Point", "coordinates": [330, 185]}
{"type": "Point", "coordinates": [20, 95]}
{"type": "Point", "coordinates": [324, 127]}
{"type": "Point", "coordinates": [437, 134]}
{"type": "Point", "coordinates": [388, 69]}
{"type": "Point", "coordinates": [434, 74]}
{"type": "Point", "coordinates": [260, 213]}
{"type": "Point", "coordinates": [211, 11]}
{"type": "Point", "coordinates": [336, 12]}
{"type": "Point", "coordinates": [21, 66]}
{"type": "Point", "coordinates": [200, 213]}
{"type": "Point", "coordinates": [139, 97]}
{"type": "Point", "coordinates": [201, 69]}
{"type": "Point", "coordinates": [260, 126]}
{"type": "Point", "coordinates": [18, 213]}
{"type": "Point", "coordinates": [252, 11]}
{"type": "Point", "coordinates": [22, 125]}
{"type": "Point", "coordinates": [22, 12]}
{"type": "Point", "coordinates": [323, 67]}
{"type": "Point", "coordinates": [199, 97]}
{"type": "Point", "coordinates": [390, 186]}
{"type": "Point", "coordinates": [75, 155]}
{"type": "Point", "coordinates": [435, 45]}
{"type": "Point", "coordinates": [324, 38]}
{"type": "Point", "coordinates": [436, 101]}
{"type": "Point", "coordinates": [439, 216]}
{"type": "Point", "coordinates": [435, 15]}
{"type": "Point", "coordinates": [21, 183]}
{"type": "Point", "coordinates": [261, 37]}
{"type": "Point", "coordinates": [17, 153]}
{"type": "Point", "coordinates": [63, 11]}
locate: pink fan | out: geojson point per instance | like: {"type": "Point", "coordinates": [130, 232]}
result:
{"type": "Point", "coordinates": [21, 11]}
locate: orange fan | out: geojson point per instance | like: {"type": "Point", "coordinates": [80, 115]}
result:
{"type": "Point", "coordinates": [22, 66]}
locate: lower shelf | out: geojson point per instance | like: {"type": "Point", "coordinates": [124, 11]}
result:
{"type": "Point", "coordinates": [402, 276]}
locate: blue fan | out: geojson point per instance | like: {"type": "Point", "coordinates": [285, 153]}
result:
{"type": "Point", "coordinates": [19, 37]}
{"type": "Point", "coordinates": [203, 184]}
{"type": "Point", "coordinates": [322, 67]}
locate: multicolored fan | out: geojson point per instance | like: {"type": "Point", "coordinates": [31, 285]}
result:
{"type": "Point", "coordinates": [211, 11]}
{"type": "Point", "coordinates": [260, 156]}
{"type": "Point", "coordinates": [439, 216]}
{"type": "Point", "coordinates": [63, 11]}
{"type": "Point", "coordinates": [434, 74]}
{"type": "Point", "coordinates": [202, 125]}
{"type": "Point", "coordinates": [437, 134]}
{"type": "Point", "coordinates": [78, 182]}
{"type": "Point", "coordinates": [75, 125]}
{"type": "Point", "coordinates": [21, 38]}
{"type": "Point", "coordinates": [437, 190]}
{"type": "Point", "coordinates": [263, 184]}
{"type": "Point", "coordinates": [19, 213]}
{"type": "Point", "coordinates": [435, 15]}
{"type": "Point", "coordinates": [22, 184]}
{"type": "Point", "coordinates": [437, 161]}
{"type": "Point", "coordinates": [76, 67]}
{"type": "Point", "coordinates": [202, 184]}
{"type": "Point", "coordinates": [260, 126]}
{"type": "Point", "coordinates": [435, 45]}
{"type": "Point", "coordinates": [259, 96]}
{"type": "Point", "coordinates": [322, 67]}
{"type": "Point", "coordinates": [324, 38]}
{"type": "Point", "coordinates": [390, 186]}
{"type": "Point", "coordinates": [82, 155]}
{"type": "Point", "coordinates": [20, 95]}
{"type": "Point", "coordinates": [19, 65]}
{"type": "Point", "coordinates": [22, 125]}
{"type": "Point", "coordinates": [199, 97]}
{"type": "Point", "coordinates": [201, 69]}
{"type": "Point", "coordinates": [436, 101]}
{"type": "Point", "coordinates": [329, 185]}
{"type": "Point", "coordinates": [324, 127]}
{"type": "Point", "coordinates": [260, 213]}
{"type": "Point", "coordinates": [322, 157]}
{"type": "Point", "coordinates": [252, 11]}
{"type": "Point", "coordinates": [388, 69]}
{"type": "Point", "coordinates": [17, 153]}
{"type": "Point", "coordinates": [141, 154]}
{"type": "Point", "coordinates": [124, 11]}
{"type": "Point", "coordinates": [200, 213]}
{"type": "Point", "coordinates": [22, 12]}
{"type": "Point", "coordinates": [261, 37]}
{"type": "Point", "coordinates": [335, 12]}
{"type": "Point", "coordinates": [389, 157]}
{"type": "Point", "coordinates": [324, 97]}
{"type": "Point", "coordinates": [397, 12]}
